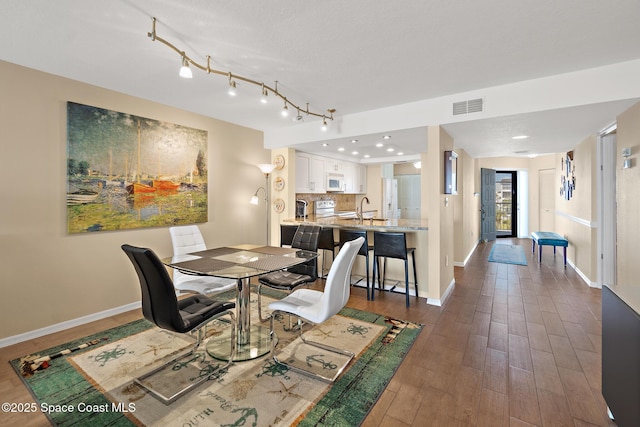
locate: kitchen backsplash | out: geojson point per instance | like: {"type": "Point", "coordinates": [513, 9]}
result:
{"type": "Point", "coordinates": [344, 202]}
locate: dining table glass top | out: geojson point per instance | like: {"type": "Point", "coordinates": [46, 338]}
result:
{"type": "Point", "coordinates": [238, 263]}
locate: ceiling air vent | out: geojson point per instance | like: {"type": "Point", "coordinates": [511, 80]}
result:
{"type": "Point", "coordinates": [470, 106]}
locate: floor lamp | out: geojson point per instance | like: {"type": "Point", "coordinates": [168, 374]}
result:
{"type": "Point", "coordinates": [266, 169]}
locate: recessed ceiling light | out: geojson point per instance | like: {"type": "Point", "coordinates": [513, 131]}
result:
{"type": "Point", "coordinates": [520, 137]}
{"type": "Point", "coordinates": [400, 153]}
{"type": "Point", "coordinates": [386, 137]}
{"type": "Point", "coordinates": [341, 149]}
{"type": "Point", "coordinates": [366, 156]}
{"type": "Point", "coordinates": [390, 149]}
{"type": "Point", "coordinates": [324, 144]}
{"type": "Point", "coordinates": [353, 141]}
{"type": "Point", "coordinates": [379, 144]}
{"type": "Point", "coordinates": [354, 152]}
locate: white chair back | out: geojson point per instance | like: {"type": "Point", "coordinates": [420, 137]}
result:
{"type": "Point", "coordinates": [338, 286]}
{"type": "Point", "coordinates": [187, 238]}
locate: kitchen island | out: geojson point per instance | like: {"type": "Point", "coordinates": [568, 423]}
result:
{"type": "Point", "coordinates": [416, 230]}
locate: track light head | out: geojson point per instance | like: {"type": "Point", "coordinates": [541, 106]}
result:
{"type": "Point", "coordinates": [185, 71]}
{"type": "Point", "coordinates": [232, 87]}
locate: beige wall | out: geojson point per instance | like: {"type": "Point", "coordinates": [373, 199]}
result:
{"type": "Point", "coordinates": [628, 207]}
{"type": "Point", "coordinates": [575, 218]}
{"type": "Point", "coordinates": [438, 209]}
{"type": "Point", "coordinates": [466, 207]}
{"type": "Point", "coordinates": [48, 276]}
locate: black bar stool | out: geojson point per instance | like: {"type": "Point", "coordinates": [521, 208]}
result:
{"type": "Point", "coordinates": [287, 232]}
{"type": "Point", "coordinates": [326, 243]}
{"type": "Point", "coordinates": [348, 235]}
{"type": "Point", "coordinates": [393, 245]}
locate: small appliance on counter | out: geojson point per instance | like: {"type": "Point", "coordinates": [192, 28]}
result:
{"type": "Point", "coordinates": [301, 209]}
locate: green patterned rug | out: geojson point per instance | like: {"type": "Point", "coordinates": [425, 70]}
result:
{"type": "Point", "coordinates": [92, 385]}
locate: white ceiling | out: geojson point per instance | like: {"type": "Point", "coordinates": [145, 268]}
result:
{"type": "Point", "coordinates": [354, 56]}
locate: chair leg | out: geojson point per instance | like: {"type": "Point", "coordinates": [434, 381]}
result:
{"type": "Point", "coordinates": [415, 273]}
{"type": "Point", "coordinates": [406, 281]}
{"type": "Point", "coordinates": [366, 266]}
{"type": "Point", "coordinates": [260, 303]}
{"type": "Point", "coordinates": [140, 381]}
{"type": "Point", "coordinates": [373, 279]}
{"type": "Point", "coordinates": [332, 349]}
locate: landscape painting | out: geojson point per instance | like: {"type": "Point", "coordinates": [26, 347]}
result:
{"type": "Point", "coordinates": [125, 171]}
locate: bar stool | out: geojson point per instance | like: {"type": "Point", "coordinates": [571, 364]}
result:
{"type": "Point", "coordinates": [287, 232]}
{"type": "Point", "coordinates": [347, 235]}
{"type": "Point", "coordinates": [326, 243]}
{"type": "Point", "coordinates": [393, 245]}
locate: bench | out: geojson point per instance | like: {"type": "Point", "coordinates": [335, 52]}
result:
{"type": "Point", "coordinates": [548, 238]}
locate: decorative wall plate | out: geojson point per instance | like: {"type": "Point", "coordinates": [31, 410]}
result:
{"type": "Point", "coordinates": [278, 205]}
{"type": "Point", "coordinates": [279, 161]}
{"type": "Point", "coordinates": [278, 183]}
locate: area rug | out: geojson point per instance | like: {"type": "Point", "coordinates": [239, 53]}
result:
{"type": "Point", "coordinates": [507, 254]}
{"type": "Point", "coordinates": [89, 381]}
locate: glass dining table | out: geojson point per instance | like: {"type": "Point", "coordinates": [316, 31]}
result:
{"type": "Point", "coordinates": [241, 263]}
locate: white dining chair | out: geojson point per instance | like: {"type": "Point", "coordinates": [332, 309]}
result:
{"type": "Point", "coordinates": [315, 307]}
{"type": "Point", "coordinates": [187, 239]}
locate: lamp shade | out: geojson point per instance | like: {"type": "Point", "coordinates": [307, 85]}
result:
{"type": "Point", "coordinates": [266, 168]}
{"type": "Point", "coordinates": [254, 199]}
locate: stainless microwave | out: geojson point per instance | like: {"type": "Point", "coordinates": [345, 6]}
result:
{"type": "Point", "coordinates": [335, 182]}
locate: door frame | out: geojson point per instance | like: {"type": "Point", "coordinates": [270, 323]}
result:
{"type": "Point", "coordinates": [606, 201]}
{"type": "Point", "coordinates": [514, 203]}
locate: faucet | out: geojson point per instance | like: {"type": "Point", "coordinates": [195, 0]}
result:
{"type": "Point", "coordinates": [360, 214]}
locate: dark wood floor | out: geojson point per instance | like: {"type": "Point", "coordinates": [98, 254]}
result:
{"type": "Point", "coordinates": [512, 346]}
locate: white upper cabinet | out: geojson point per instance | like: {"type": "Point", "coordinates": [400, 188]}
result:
{"type": "Point", "coordinates": [310, 176]}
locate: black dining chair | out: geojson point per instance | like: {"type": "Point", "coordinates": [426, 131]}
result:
{"type": "Point", "coordinates": [392, 245]}
{"type": "Point", "coordinates": [326, 243]}
{"type": "Point", "coordinates": [347, 235]}
{"type": "Point", "coordinates": [306, 238]}
{"type": "Point", "coordinates": [161, 307]}
{"type": "Point", "coordinates": [287, 231]}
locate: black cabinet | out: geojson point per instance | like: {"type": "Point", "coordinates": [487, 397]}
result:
{"type": "Point", "coordinates": [620, 359]}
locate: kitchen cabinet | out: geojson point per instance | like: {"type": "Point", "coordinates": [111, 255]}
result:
{"type": "Point", "coordinates": [360, 180]}
{"type": "Point", "coordinates": [312, 170]}
{"type": "Point", "coordinates": [348, 169]}
{"type": "Point", "coordinates": [310, 175]}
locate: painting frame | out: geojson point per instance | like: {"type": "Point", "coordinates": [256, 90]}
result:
{"type": "Point", "coordinates": [128, 172]}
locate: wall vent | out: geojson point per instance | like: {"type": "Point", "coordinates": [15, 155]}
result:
{"type": "Point", "coordinates": [470, 106]}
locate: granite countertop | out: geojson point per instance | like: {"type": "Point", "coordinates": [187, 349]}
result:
{"type": "Point", "coordinates": [366, 224]}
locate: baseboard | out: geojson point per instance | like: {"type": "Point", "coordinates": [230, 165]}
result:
{"type": "Point", "coordinates": [584, 276]}
{"type": "Point", "coordinates": [466, 260]}
{"type": "Point", "coordinates": [15, 339]}
{"type": "Point", "coordinates": [439, 302]}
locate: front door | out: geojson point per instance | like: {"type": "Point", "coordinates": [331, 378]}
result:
{"type": "Point", "coordinates": [488, 204]}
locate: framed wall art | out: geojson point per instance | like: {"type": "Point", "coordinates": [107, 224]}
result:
{"type": "Point", "coordinates": [126, 171]}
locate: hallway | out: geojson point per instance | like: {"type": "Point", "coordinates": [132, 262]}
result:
{"type": "Point", "coordinates": [512, 346]}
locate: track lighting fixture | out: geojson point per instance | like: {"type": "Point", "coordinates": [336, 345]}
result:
{"type": "Point", "coordinates": [324, 124]}
{"type": "Point", "coordinates": [185, 71]}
